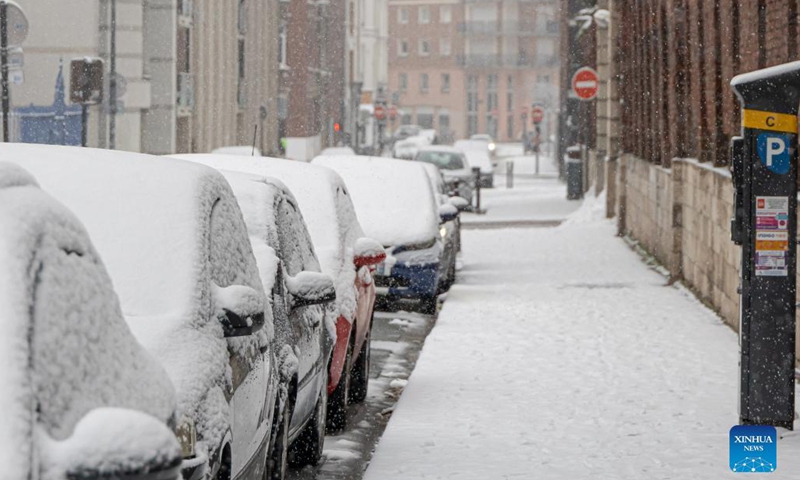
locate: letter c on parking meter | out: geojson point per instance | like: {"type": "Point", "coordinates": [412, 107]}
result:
{"type": "Point", "coordinates": [764, 160]}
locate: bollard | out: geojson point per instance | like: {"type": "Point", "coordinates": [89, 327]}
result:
{"type": "Point", "coordinates": [476, 172]}
{"type": "Point", "coordinates": [574, 166]}
{"type": "Point", "coordinates": [765, 223]}
{"type": "Point", "coordinates": [509, 174]}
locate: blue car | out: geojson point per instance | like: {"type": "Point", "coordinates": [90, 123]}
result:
{"type": "Point", "coordinates": [396, 205]}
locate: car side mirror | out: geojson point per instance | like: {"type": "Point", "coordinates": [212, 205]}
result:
{"type": "Point", "coordinates": [114, 443]}
{"type": "Point", "coordinates": [310, 288]}
{"type": "Point", "coordinates": [460, 203]}
{"type": "Point", "coordinates": [447, 213]}
{"type": "Point", "coordinates": [240, 309]}
{"type": "Point", "coordinates": [368, 252]}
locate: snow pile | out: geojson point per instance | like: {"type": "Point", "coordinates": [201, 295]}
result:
{"type": "Point", "coordinates": [166, 229]}
{"type": "Point", "coordinates": [110, 441]}
{"type": "Point", "coordinates": [591, 210]}
{"type": "Point", "coordinates": [560, 355]}
{"type": "Point", "coordinates": [393, 198]}
{"type": "Point", "coordinates": [82, 354]}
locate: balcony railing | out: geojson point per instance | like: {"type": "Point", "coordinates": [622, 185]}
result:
{"type": "Point", "coordinates": [507, 61]}
{"type": "Point", "coordinates": [495, 28]}
{"type": "Point", "coordinates": [185, 98]}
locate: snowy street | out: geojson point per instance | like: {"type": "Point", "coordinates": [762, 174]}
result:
{"type": "Point", "coordinates": [560, 354]}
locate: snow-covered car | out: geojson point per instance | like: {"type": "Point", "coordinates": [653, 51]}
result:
{"type": "Point", "coordinates": [287, 265]}
{"type": "Point", "coordinates": [490, 144]}
{"type": "Point", "coordinates": [77, 386]}
{"type": "Point", "coordinates": [408, 148]}
{"type": "Point", "coordinates": [396, 206]}
{"type": "Point", "coordinates": [344, 254]}
{"type": "Point", "coordinates": [238, 150]}
{"type": "Point", "coordinates": [477, 152]}
{"type": "Point", "coordinates": [451, 230]}
{"type": "Point", "coordinates": [455, 168]}
{"type": "Point", "coordinates": [177, 250]}
{"type": "Point", "coordinates": [338, 151]}
{"type": "Point", "coordinates": [429, 134]}
{"type": "Point", "coordinates": [405, 131]}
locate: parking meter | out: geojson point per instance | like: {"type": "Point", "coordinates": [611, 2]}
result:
{"type": "Point", "coordinates": [765, 223]}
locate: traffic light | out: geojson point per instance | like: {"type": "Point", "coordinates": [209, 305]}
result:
{"type": "Point", "coordinates": [337, 127]}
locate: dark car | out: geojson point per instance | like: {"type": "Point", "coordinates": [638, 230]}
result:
{"type": "Point", "coordinates": [76, 383]}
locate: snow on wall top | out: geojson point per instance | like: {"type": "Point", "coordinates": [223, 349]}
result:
{"type": "Point", "coordinates": [393, 198]}
{"type": "Point", "coordinates": [82, 355]}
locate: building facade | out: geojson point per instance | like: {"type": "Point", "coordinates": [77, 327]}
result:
{"type": "Point", "coordinates": [467, 67]}
{"type": "Point", "coordinates": [312, 75]}
{"type": "Point", "coordinates": [193, 75]}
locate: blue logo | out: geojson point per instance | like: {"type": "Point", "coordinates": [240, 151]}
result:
{"type": "Point", "coordinates": [753, 449]}
{"type": "Point", "coordinates": [774, 150]}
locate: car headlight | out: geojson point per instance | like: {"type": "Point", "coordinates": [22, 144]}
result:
{"type": "Point", "coordinates": [443, 232]}
{"type": "Point", "coordinates": [187, 436]}
{"type": "Point", "coordinates": [492, 146]}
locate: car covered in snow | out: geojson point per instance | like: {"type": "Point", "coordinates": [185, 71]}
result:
{"type": "Point", "coordinates": [407, 149]}
{"type": "Point", "coordinates": [451, 230]}
{"type": "Point", "coordinates": [346, 255]}
{"type": "Point", "coordinates": [478, 155]}
{"type": "Point", "coordinates": [238, 150]}
{"type": "Point", "coordinates": [338, 151]}
{"type": "Point", "coordinates": [395, 204]}
{"type": "Point", "coordinates": [290, 272]}
{"type": "Point", "coordinates": [490, 144]}
{"type": "Point", "coordinates": [455, 168]}
{"type": "Point", "coordinates": [77, 386]}
{"type": "Point", "coordinates": [178, 253]}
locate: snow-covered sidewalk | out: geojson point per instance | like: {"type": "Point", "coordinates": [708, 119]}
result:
{"type": "Point", "coordinates": [560, 355]}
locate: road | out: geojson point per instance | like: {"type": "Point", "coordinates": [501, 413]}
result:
{"type": "Point", "coordinates": [397, 339]}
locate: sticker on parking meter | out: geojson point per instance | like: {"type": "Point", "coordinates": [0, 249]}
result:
{"type": "Point", "coordinates": [775, 151]}
{"type": "Point", "coordinates": [772, 236]}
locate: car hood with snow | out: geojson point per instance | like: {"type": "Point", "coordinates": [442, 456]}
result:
{"type": "Point", "coordinates": [66, 350]}
{"type": "Point", "coordinates": [150, 219]}
{"type": "Point", "coordinates": [393, 198]}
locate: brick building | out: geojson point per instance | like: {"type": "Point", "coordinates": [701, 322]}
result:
{"type": "Point", "coordinates": [471, 66]}
{"type": "Point", "coordinates": [312, 61]}
{"type": "Point", "coordinates": [665, 116]}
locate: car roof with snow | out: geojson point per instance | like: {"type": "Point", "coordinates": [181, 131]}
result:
{"type": "Point", "coordinates": [441, 148]}
{"type": "Point", "coordinates": [238, 150]}
{"type": "Point", "coordinates": [338, 151]}
{"type": "Point", "coordinates": [54, 284]}
{"type": "Point", "coordinates": [151, 220]}
{"type": "Point", "coordinates": [393, 198]}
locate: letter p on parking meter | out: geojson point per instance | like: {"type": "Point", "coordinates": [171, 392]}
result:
{"type": "Point", "coordinates": [765, 224]}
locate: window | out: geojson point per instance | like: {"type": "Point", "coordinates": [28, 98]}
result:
{"type": "Point", "coordinates": [445, 14]}
{"type": "Point", "coordinates": [444, 46]}
{"type": "Point", "coordinates": [492, 105]}
{"type": "Point", "coordinates": [444, 122]}
{"type": "Point", "coordinates": [402, 48]}
{"type": "Point", "coordinates": [425, 120]}
{"type": "Point", "coordinates": [445, 83]}
{"type": "Point", "coordinates": [423, 82]}
{"type": "Point", "coordinates": [510, 94]}
{"type": "Point", "coordinates": [282, 45]}
{"type": "Point", "coordinates": [424, 47]}
{"type": "Point", "coordinates": [402, 15]}
{"type": "Point", "coordinates": [472, 104]}
{"type": "Point", "coordinates": [424, 14]}
{"type": "Point", "coordinates": [405, 119]}
{"type": "Point", "coordinates": [402, 82]}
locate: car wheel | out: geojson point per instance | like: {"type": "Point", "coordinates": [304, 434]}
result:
{"type": "Point", "coordinates": [307, 448]}
{"type": "Point", "coordinates": [337, 404]}
{"type": "Point", "coordinates": [360, 373]}
{"type": "Point", "coordinates": [428, 304]}
{"type": "Point", "coordinates": [278, 460]}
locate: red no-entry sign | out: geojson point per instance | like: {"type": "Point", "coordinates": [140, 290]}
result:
{"type": "Point", "coordinates": [380, 112]}
{"type": "Point", "coordinates": [537, 114]}
{"type": "Point", "coordinates": [585, 83]}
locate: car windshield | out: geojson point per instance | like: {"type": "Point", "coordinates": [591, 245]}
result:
{"type": "Point", "coordinates": [442, 160]}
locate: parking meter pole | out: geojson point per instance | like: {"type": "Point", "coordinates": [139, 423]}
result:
{"type": "Point", "coordinates": [509, 174]}
{"type": "Point", "coordinates": [766, 176]}
{"type": "Point", "coordinates": [476, 173]}
{"type": "Point", "coordinates": [84, 123]}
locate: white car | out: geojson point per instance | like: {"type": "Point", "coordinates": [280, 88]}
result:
{"type": "Point", "coordinates": [455, 168]}
{"type": "Point", "coordinates": [238, 150]}
{"type": "Point", "coordinates": [338, 151]}
{"type": "Point", "coordinates": [477, 152]}
{"type": "Point", "coordinates": [76, 383]}
{"type": "Point", "coordinates": [407, 149]}
{"type": "Point", "coordinates": [179, 255]}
